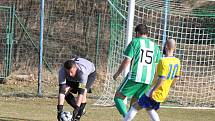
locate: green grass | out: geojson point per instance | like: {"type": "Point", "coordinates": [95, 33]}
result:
{"type": "Point", "coordinates": [44, 109]}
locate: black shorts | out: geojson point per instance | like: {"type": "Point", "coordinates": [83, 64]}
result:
{"type": "Point", "coordinates": [90, 80]}
{"type": "Point", "coordinates": [75, 85]}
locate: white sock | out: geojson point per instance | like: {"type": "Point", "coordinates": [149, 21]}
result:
{"type": "Point", "coordinates": [131, 114]}
{"type": "Point", "coordinates": [153, 115]}
{"type": "Point", "coordinates": [125, 101]}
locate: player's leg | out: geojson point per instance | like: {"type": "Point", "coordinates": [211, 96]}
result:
{"type": "Point", "coordinates": [153, 114]}
{"type": "Point", "coordinates": [90, 82]}
{"type": "Point", "coordinates": [143, 102]}
{"type": "Point", "coordinates": [63, 88]}
{"type": "Point", "coordinates": [133, 100]}
{"type": "Point", "coordinates": [70, 99]}
{"type": "Point", "coordinates": [135, 105]}
{"type": "Point", "coordinates": [152, 110]}
{"type": "Point", "coordinates": [127, 89]}
{"type": "Point", "coordinates": [119, 103]}
{"type": "Point", "coordinates": [83, 104]}
{"type": "Point", "coordinates": [119, 98]}
{"type": "Point", "coordinates": [132, 112]}
{"type": "Point", "coordinates": [81, 108]}
{"type": "Point", "coordinates": [139, 93]}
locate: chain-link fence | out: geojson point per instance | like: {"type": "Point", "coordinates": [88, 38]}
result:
{"type": "Point", "coordinates": [71, 28]}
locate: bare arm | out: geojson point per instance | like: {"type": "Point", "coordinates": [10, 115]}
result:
{"type": "Point", "coordinates": [157, 85]}
{"type": "Point", "coordinates": [125, 63]}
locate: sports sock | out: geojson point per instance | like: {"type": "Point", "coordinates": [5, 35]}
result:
{"type": "Point", "coordinates": [75, 112]}
{"type": "Point", "coordinates": [120, 105]}
{"type": "Point", "coordinates": [153, 115]}
{"type": "Point", "coordinates": [80, 112]}
{"type": "Point", "coordinates": [131, 114]}
{"type": "Point", "coordinates": [70, 99]}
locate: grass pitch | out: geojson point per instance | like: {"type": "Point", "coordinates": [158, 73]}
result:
{"type": "Point", "coordinates": [44, 109]}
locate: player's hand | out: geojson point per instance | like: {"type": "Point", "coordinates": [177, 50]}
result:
{"type": "Point", "coordinates": [115, 76]}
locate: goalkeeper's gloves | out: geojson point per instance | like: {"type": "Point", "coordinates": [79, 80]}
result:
{"type": "Point", "coordinates": [59, 111]}
{"type": "Point", "coordinates": [59, 116]}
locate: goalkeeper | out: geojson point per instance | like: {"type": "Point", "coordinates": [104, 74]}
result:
{"type": "Point", "coordinates": [168, 72]}
{"type": "Point", "coordinates": [75, 77]}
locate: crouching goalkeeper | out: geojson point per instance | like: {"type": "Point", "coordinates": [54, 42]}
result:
{"type": "Point", "coordinates": [76, 76]}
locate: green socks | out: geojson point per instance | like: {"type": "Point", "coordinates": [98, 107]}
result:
{"type": "Point", "coordinates": [121, 107]}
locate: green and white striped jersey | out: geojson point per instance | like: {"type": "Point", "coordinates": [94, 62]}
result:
{"type": "Point", "coordinates": [144, 54]}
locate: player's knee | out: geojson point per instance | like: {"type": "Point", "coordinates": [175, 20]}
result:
{"type": "Point", "coordinates": [62, 89]}
{"type": "Point", "coordinates": [119, 95]}
{"type": "Point", "coordinates": [82, 91]}
{"type": "Point", "coordinates": [70, 99]}
{"type": "Point", "coordinates": [133, 100]}
{"type": "Point", "coordinates": [91, 80]}
{"type": "Point", "coordinates": [137, 106]}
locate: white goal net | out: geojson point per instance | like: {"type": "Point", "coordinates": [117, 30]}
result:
{"type": "Point", "coordinates": [193, 27]}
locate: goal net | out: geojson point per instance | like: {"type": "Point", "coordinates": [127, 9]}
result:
{"type": "Point", "coordinates": [192, 24]}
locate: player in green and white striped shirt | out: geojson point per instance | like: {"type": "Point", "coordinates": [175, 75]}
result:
{"type": "Point", "coordinates": [142, 55]}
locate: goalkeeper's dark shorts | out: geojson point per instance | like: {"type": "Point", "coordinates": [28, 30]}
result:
{"type": "Point", "coordinates": [75, 85]}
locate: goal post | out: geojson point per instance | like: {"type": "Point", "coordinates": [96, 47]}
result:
{"type": "Point", "coordinates": [192, 25]}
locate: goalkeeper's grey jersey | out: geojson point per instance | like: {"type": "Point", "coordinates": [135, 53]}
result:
{"type": "Point", "coordinates": [85, 68]}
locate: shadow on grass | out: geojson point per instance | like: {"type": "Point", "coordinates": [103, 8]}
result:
{"type": "Point", "coordinates": [15, 119]}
